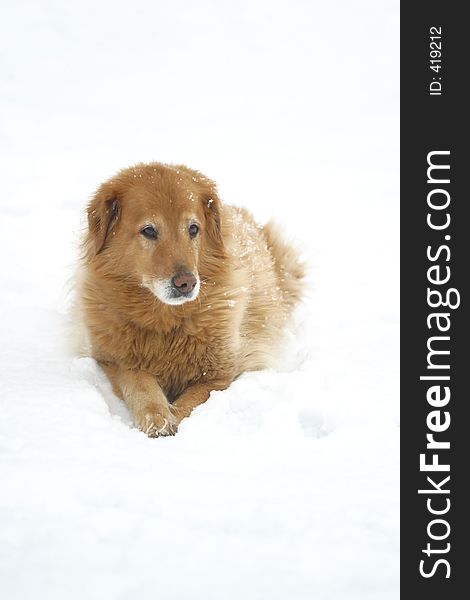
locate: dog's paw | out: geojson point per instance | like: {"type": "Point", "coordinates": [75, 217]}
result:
{"type": "Point", "coordinates": [155, 424]}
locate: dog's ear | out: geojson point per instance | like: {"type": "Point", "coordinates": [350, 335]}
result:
{"type": "Point", "coordinates": [103, 213]}
{"type": "Point", "coordinates": [212, 211]}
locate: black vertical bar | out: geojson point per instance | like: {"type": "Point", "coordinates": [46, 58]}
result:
{"type": "Point", "coordinates": [433, 118]}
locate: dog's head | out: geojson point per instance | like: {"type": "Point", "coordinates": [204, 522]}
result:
{"type": "Point", "coordinates": [156, 225]}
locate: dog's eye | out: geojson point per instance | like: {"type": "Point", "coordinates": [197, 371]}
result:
{"type": "Point", "coordinates": [149, 232]}
{"type": "Point", "coordinates": [193, 230]}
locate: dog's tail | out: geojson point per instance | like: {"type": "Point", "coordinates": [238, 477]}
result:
{"type": "Point", "coordinates": [290, 269]}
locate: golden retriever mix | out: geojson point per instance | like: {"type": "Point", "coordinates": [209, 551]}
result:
{"type": "Point", "coordinates": [180, 293]}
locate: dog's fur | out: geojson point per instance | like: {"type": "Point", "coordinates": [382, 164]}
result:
{"type": "Point", "coordinates": [164, 358]}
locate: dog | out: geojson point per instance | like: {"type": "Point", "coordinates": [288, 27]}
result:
{"type": "Point", "coordinates": [180, 294]}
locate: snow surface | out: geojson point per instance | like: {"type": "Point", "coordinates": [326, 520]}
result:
{"type": "Point", "coordinates": [285, 485]}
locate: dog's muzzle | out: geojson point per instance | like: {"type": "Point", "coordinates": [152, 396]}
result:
{"type": "Point", "coordinates": [182, 287]}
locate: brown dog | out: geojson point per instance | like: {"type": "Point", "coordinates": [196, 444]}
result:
{"type": "Point", "coordinates": [180, 294]}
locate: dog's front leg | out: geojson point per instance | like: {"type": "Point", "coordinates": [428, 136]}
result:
{"type": "Point", "coordinates": [194, 396]}
{"type": "Point", "coordinates": [145, 399]}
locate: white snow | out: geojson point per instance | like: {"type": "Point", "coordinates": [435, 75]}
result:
{"type": "Point", "coordinates": [285, 485]}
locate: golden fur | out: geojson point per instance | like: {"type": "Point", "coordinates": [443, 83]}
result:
{"type": "Point", "coordinates": [163, 359]}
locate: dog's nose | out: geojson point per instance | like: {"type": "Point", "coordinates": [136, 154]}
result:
{"type": "Point", "coordinates": [184, 282]}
